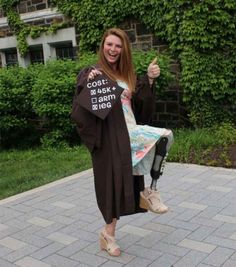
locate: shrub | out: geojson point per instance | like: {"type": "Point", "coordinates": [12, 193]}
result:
{"type": "Point", "coordinates": [54, 139]}
{"type": "Point", "coordinates": [36, 102]}
{"type": "Point", "coordinates": [52, 95]}
{"type": "Point", "coordinates": [16, 112]}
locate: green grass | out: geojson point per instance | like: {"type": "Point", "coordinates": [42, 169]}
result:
{"type": "Point", "coordinates": [191, 145]}
{"type": "Point", "coordinates": [187, 140]}
{"type": "Point", "coordinates": [24, 170]}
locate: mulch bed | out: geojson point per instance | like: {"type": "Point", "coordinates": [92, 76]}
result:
{"type": "Point", "coordinates": [220, 157]}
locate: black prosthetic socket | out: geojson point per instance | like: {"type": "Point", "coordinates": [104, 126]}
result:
{"type": "Point", "coordinates": [160, 151]}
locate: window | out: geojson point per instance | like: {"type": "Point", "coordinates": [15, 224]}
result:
{"type": "Point", "coordinates": [64, 51]}
{"type": "Point", "coordinates": [11, 57]}
{"type": "Point", "coordinates": [36, 54]}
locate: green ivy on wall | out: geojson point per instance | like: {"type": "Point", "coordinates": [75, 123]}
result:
{"type": "Point", "coordinates": [208, 24]}
{"type": "Point", "coordinates": [93, 17]}
{"type": "Point", "coordinates": [23, 30]}
{"type": "Point", "coordinates": [8, 4]}
{"type": "Point", "coordinates": [201, 34]}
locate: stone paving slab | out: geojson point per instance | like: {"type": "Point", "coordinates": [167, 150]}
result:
{"type": "Point", "coordinates": [57, 225]}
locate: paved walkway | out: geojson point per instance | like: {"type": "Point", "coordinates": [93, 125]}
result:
{"type": "Point", "coordinates": [58, 224]}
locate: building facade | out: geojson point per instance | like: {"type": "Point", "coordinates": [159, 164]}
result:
{"type": "Point", "coordinates": [61, 44]}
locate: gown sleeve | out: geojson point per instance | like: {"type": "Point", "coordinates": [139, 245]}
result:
{"type": "Point", "coordinates": [86, 122]}
{"type": "Point", "coordinates": [143, 101]}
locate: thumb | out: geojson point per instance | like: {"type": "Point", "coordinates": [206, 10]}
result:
{"type": "Point", "coordinates": [154, 61]}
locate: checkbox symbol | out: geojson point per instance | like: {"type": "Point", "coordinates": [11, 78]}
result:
{"type": "Point", "coordinates": [95, 107]}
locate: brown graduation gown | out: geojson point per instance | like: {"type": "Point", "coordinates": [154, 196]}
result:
{"type": "Point", "coordinates": [117, 190]}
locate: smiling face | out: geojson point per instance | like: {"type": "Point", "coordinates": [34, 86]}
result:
{"type": "Point", "coordinates": [112, 50]}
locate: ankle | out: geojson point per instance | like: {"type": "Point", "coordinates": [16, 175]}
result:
{"type": "Point", "coordinates": [110, 228]}
{"type": "Point", "coordinates": [109, 231]}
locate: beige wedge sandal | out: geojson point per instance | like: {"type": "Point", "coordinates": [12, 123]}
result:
{"type": "Point", "coordinates": [108, 243]}
{"type": "Point", "coordinates": [151, 200]}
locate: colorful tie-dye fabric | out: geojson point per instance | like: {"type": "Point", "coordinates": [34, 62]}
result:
{"type": "Point", "coordinates": [142, 137]}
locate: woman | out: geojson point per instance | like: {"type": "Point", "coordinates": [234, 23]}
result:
{"type": "Point", "coordinates": [123, 149]}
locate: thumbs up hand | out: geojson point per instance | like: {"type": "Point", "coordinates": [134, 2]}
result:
{"type": "Point", "coordinates": [153, 70]}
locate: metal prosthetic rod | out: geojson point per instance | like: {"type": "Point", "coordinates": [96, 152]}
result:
{"type": "Point", "coordinates": [153, 185]}
{"type": "Point", "coordinates": [158, 162]}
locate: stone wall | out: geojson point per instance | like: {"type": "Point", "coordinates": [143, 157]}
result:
{"type": "Point", "coordinates": [170, 110]}
{"type": "Point", "coordinates": [28, 6]}
{"type": "Point", "coordinates": [32, 5]}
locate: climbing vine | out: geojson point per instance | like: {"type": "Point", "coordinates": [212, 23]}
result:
{"type": "Point", "coordinates": [201, 34]}
{"type": "Point", "coordinates": [93, 17]}
{"type": "Point", "coordinates": [23, 30]}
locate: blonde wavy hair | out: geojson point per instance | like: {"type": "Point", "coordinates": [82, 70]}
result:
{"type": "Point", "coordinates": [125, 69]}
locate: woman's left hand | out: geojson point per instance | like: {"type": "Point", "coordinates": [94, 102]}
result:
{"type": "Point", "coordinates": [153, 70]}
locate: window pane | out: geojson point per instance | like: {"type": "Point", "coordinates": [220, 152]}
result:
{"type": "Point", "coordinates": [65, 52]}
{"type": "Point", "coordinates": [11, 57]}
{"type": "Point", "coordinates": [36, 55]}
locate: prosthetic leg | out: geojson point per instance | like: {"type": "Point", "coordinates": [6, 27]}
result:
{"type": "Point", "coordinates": [158, 162]}
{"type": "Point", "coordinates": [150, 198]}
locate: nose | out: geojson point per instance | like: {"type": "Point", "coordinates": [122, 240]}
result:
{"type": "Point", "coordinates": [113, 48]}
